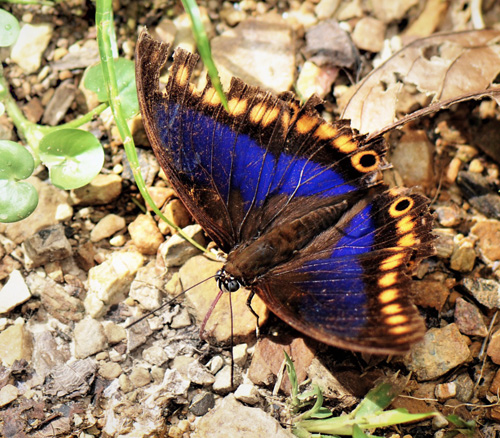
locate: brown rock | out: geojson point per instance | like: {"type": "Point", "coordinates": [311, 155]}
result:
{"type": "Point", "coordinates": [106, 227]}
{"type": "Point", "coordinates": [369, 34]}
{"type": "Point", "coordinates": [430, 293]}
{"type": "Point", "coordinates": [201, 298]}
{"type": "Point", "coordinates": [495, 384]}
{"type": "Point", "coordinates": [469, 319]}
{"type": "Point", "coordinates": [160, 195]}
{"type": "Point", "coordinates": [488, 233]}
{"type": "Point", "coordinates": [176, 213]}
{"type": "Point", "coordinates": [485, 290]}
{"type": "Point", "coordinates": [84, 256]}
{"type": "Point", "coordinates": [463, 256]}
{"type": "Point", "coordinates": [445, 391]}
{"type": "Point", "coordinates": [494, 347]}
{"type": "Point", "coordinates": [268, 358]}
{"type": "Point", "coordinates": [145, 234]}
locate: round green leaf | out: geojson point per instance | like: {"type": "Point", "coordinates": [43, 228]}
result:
{"type": "Point", "coordinates": [9, 29]}
{"type": "Point", "coordinates": [125, 76]}
{"type": "Point", "coordinates": [18, 199]}
{"type": "Point", "coordinates": [74, 157]}
{"type": "Point", "coordinates": [16, 163]}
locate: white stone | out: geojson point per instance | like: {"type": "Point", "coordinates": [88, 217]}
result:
{"type": "Point", "coordinates": [28, 50]}
{"type": "Point", "coordinates": [247, 393]}
{"type": "Point", "coordinates": [14, 292]}
{"type": "Point", "coordinates": [240, 354]}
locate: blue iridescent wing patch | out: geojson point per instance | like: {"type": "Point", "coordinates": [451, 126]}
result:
{"type": "Point", "coordinates": [295, 202]}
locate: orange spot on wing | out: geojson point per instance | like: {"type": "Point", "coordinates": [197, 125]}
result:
{"type": "Point", "coordinates": [211, 97]}
{"type": "Point", "coordinates": [325, 131]}
{"type": "Point", "coordinates": [270, 116]}
{"type": "Point", "coordinates": [345, 144]}
{"type": "Point", "coordinates": [387, 280]}
{"type": "Point", "coordinates": [305, 124]}
{"type": "Point", "coordinates": [396, 319]}
{"type": "Point", "coordinates": [388, 295]}
{"type": "Point", "coordinates": [237, 107]}
{"type": "Point", "coordinates": [392, 262]}
{"type": "Point", "coordinates": [258, 112]}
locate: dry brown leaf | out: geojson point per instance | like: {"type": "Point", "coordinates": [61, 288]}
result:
{"type": "Point", "coordinates": [443, 66]}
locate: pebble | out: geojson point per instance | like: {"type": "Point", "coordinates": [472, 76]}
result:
{"type": "Point", "coordinates": [448, 215]}
{"type": "Point", "coordinates": [32, 41]}
{"type": "Point", "coordinates": [441, 350]}
{"type": "Point", "coordinates": [465, 387]}
{"type": "Point", "coordinates": [8, 394]}
{"type": "Point", "coordinates": [247, 393]}
{"type": "Point", "coordinates": [140, 377]}
{"type": "Point", "coordinates": [47, 354]}
{"type": "Point", "coordinates": [109, 281]}
{"type": "Point", "coordinates": [326, 8]}
{"type": "Point", "coordinates": [114, 332]}
{"type": "Point", "coordinates": [14, 292]}
{"type": "Point", "coordinates": [240, 354]}
{"type": "Point", "coordinates": [102, 190]}
{"type": "Point", "coordinates": [201, 298]}
{"type": "Point", "coordinates": [222, 383]}
{"type": "Point", "coordinates": [369, 34]}
{"type": "Point", "coordinates": [395, 10]}
{"type": "Point", "coordinates": [147, 286]}
{"type": "Point", "coordinates": [469, 319]}
{"type": "Point", "coordinates": [488, 233]}
{"type": "Point", "coordinates": [413, 158]}
{"type": "Point", "coordinates": [176, 213]}
{"type": "Point", "coordinates": [47, 245]}
{"type": "Point", "coordinates": [494, 347]}
{"type": "Point", "coordinates": [315, 80]}
{"type": "Point", "coordinates": [174, 384]}
{"type": "Point", "coordinates": [50, 199]}
{"type": "Point", "coordinates": [215, 364]}
{"type": "Point", "coordinates": [199, 375]}
{"type": "Point", "coordinates": [145, 234]}
{"type": "Point", "coordinates": [184, 37]}
{"type": "Point", "coordinates": [15, 343]}
{"type": "Point", "coordinates": [56, 301]}
{"type": "Point", "coordinates": [445, 242]}
{"type": "Point", "coordinates": [243, 422]}
{"type": "Point", "coordinates": [181, 320]}
{"type": "Point", "coordinates": [89, 338]}
{"type": "Point", "coordinates": [60, 102]}
{"type": "Point", "coordinates": [253, 59]}
{"type": "Point", "coordinates": [176, 251]}
{"type": "Point", "coordinates": [106, 227]}
{"type": "Point", "coordinates": [484, 290]}
{"type": "Point", "coordinates": [268, 359]}
{"type": "Point", "coordinates": [445, 391]}
{"type": "Point", "coordinates": [202, 403]}
{"type": "Point", "coordinates": [110, 370]}
{"type": "Point", "coordinates": [160, 195]}
{"type": "Point", "coordinates": [166, 30]}
{"type": "Point", "coordinates": [125, 383]}
{"type": "Point", "coordinates": [155, 355]}
{"type": "Point", "coordinates": [463, 256]}
{"type": "Point", "coordinates": [430, 293]}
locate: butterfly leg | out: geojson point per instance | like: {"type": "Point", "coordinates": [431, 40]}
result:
{"type": "Point", "coordinates": [249, 305]}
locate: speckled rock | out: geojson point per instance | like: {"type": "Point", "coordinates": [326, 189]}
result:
{"type": "Point", "coordinates": [441, 350]}
{"type": "Point", "coordinates": [469, 319]}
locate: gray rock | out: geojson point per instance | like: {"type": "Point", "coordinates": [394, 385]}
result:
{"type": "Point", "coordinates": [469, 319]}
{"type": "Point", "coordinates": [47, 354]}
{"type": "Point", "coordinates": [14, 292]}
{"type": "Point", "coordinates": [47, 245]}
{"type": "Point", "coordinates": [202, 403]}
{"type": "Point", "coordinates": [59, 104]}
{"type": "Point", "coordinates": [155, 355]}
{"type": "Point", "coordinates": [147, 287]}
{"type": "Point", "coordinates": [486, 291]}
{"type": "Point", "coordinates": [198, 374]}
{"type": "Point", "coordinates": [243, 422]}
{"type": "Point", "coordinates": [89, 338]}
{"type": "Point", "coordinates": [441, 350]}
{"type": "Point", "coordinates": [222, 383]}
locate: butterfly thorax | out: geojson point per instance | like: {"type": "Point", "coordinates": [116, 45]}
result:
{"type": "Point", "coordinates": [278, 244]}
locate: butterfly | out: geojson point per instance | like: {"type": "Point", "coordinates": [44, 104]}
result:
{"type": "Point", "coordinates": [296, 203]}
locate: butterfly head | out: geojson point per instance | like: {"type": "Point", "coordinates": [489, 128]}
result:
{"type": "Point", "coordinates": [227, 282]}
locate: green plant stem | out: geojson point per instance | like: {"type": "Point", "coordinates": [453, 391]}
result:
{"type": "Point", "coordinates": [105, 39]}
{"type": "Point", "coordinates": [31, 132]}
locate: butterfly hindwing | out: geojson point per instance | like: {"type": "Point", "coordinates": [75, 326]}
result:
{"type": "Point", "coordinates": [349, 287]}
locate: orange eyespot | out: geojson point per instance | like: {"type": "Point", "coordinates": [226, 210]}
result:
{"type": "Point", "coordinates": [366, 161]}
{"type": "Point", "coordinates": [401, 206]}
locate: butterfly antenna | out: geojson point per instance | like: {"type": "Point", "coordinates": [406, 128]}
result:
{"type": "Point", "coordinates": [167, 303]}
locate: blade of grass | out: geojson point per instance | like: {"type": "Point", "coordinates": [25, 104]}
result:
{"type": "Point", "coordinates": [200, 36]}
{"type": "Point", "coordinates": [105, 40]}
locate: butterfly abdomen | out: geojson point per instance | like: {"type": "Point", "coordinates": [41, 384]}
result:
{"type": "Point", "coordinates": [280, 243]}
